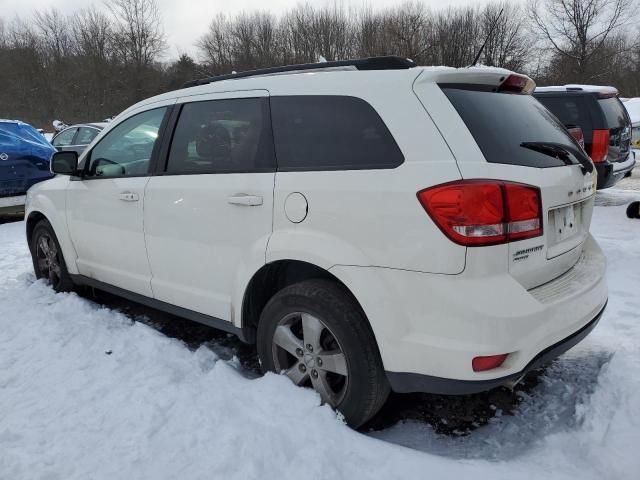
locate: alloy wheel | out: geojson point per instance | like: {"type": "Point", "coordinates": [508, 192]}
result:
{"type": "Point", "coordinates": [307, 352]}
{"type": "Point", "coordinates": [48, 261]}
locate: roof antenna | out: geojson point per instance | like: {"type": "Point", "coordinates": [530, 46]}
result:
{"type": "Point", "coordinates": [487, 39]}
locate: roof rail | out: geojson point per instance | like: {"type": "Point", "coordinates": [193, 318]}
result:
{"type": "Point", "coordinates": [371, 63]}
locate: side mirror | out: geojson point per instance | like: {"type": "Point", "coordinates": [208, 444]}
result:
{"type": "Point", "coordinates": [64, 163]}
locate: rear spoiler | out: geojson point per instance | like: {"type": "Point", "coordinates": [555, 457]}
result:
{"type": "Point", "coordinates": [493, 79]}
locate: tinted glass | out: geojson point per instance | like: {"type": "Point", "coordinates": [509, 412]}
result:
{"type": "Point", "coordinates": [86, 135]}
{"type": "Point", "coordinates": [570, 110]}
{"type": "Point", "coordinates": [614, 112]}
{"type": "Point", "coordinates": [501, 123]}
{"type": "Point", "coordinates": [331, 133]}
{"type": "Point", "coordinates": [223, 136]}
{"type": "Point", "coordinates": [64, 138]}
{"type": "Point", "coordinates": [126, 150]}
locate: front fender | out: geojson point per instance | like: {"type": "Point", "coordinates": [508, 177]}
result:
{"type": "Point", "coordinates": [49, 198]}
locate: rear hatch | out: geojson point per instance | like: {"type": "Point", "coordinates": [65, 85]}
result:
{"type": "Point", "coordinates": [619, 125]}
{"type": "Point", "coordinates": [505, 134]}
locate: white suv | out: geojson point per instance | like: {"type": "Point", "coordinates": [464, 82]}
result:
{"type": "Point", "coordinates": [369, 224]}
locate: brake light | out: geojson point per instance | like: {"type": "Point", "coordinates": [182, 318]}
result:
{"type": "Point", "coordinates": [517, 84]}
{"type": "Point", "coordinates": [481, 364]}
{"type": "Point", "coordinates": [477, 213]}
{"type": "Point", "coordinates": [600, 146]}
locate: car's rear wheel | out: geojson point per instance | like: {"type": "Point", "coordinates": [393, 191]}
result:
{"type": "Point", "coordinates": [48, 261]}
{"type": "Point", "coordinates": [316, 334]}
{"type": "Point", "coordinates": [633, 210]}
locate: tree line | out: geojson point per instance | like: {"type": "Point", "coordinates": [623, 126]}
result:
{"type": "Point", "coordinates": [97, 61]}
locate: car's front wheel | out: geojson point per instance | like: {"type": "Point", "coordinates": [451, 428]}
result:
{"type": "Point", "coordinates": [316, 334]}
{"type": "Point", "coordinates": [48, 261]}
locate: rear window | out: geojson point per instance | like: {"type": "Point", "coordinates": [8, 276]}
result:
{"type": "Point", "coordinates": [319, 132]}
{"type": "Point", "coordinates": [222, 136]}
{"type": "Point", "coordinates": [570, 110]}
{"type": "Point", "coordinates": [501, 123]}
{"type": "Point", "coordinates": [614, 112]}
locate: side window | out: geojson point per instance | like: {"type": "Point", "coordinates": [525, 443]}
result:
{"type": "Point", "coordinates": [126, 150]}
{"type": "Point", "coordinates": [222, 136]}
{"type": "Point", "coordinates": [86, 135]}
{"type": "Point", "coordinates": [331, 133]}
{"type": "Point", "coordinates": [64, 138]}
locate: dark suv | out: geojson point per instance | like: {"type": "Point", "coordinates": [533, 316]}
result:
{"type": "Point", "coordinates": [604, 122]}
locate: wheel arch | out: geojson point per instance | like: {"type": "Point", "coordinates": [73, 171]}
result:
{"type": "Point", "coordinates": [58, 224]}
{"type": "Point", "coordinates": [273, 277]}
{"type": "Point", "coordinates": [32, 220]}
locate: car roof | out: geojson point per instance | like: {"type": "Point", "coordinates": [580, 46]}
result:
{"type": "Point", "coordinates": [577, 88]}
{"type": "Point", "coordinates": [99, 125]}
{"type": "Point", "coordinates": [338, 81]}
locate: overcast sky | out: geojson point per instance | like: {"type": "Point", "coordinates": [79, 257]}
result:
{"type": "Point", "coordinates": [186, 20]}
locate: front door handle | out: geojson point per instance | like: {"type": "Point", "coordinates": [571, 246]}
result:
{"type": "Point", "coordinates": [129, 197]}
{"type": "Point", "coordinates": [245, 200]}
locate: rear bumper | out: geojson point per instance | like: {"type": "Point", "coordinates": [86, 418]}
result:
{"type": "Point", "coordinates": [412, 382]}
{"type": "Point", "coordinates": [611, 173]}
{"type": "Point", "coordinates": [429, 327]}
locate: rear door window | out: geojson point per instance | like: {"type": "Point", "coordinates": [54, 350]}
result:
{"type": "Point", "coordinates": [86, 135]}
{"type": "Point", "coordinates": [513, 129]}
{"type": "Point", "coordinates": [65, 138]}
{"type": "Point", "coordinates": [324, 132]}
{"type": "Point", "coordinates": [222, 136]}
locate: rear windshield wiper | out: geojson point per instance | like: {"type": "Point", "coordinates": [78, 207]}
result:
{"type": "Point", "coordinates": [561, 152]}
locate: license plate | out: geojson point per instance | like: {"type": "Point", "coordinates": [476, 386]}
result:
{"type": "Point", "coordinates": [567, 221]}
{"type": "Point", "coordinates": [12, 201]}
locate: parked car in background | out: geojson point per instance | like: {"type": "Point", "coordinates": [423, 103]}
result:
{"type": "Point", "coordinates": [632, 105]}
{"type": "Point", "coordinates": [605, 124]}
{"type": "Point", "coordinates": [24, 160]}
{"type": "Point", "coordinates": [427, 233]}
{"type": "Point", "coordinates": [77, 137]}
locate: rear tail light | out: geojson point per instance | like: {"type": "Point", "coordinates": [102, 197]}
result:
{"type": "Point", "coordinates": [481, 364]}
{"type": "Point", "coordinates": [477, 213]}
{"type": "Point", "coordinates": [600, 146]}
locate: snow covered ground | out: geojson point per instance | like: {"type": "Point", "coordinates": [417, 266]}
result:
{"type": "Point", "coordinates": [88, 393]}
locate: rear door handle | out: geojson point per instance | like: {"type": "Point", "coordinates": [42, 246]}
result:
{"type": "Point", "coordinates": [129, 197]}
{"type": "Point", "coordinates": [245, 200]}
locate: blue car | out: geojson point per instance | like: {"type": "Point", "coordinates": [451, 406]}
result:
{"type": "Point", "coordinates": [24, 160]}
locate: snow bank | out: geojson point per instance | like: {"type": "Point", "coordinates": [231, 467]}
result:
{"type": "Point", "coordinates": [85, 392]}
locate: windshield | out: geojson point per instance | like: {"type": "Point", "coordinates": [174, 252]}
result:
{"type": "Point", "coordinates": [508, 129]}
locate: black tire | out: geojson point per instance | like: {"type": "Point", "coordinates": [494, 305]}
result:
{"type": "Point", "coordinates": [365, 387]}
{"type": "Point", "coordinates": [51, 267]}
{"type": "Point", "coordinates": [633, 210]}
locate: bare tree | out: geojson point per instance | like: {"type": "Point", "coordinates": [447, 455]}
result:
{"type": "Point", "coordinates": [138, 34]}
{"type": "Point", "coordinates": [508, 45]}
{"type": "Point", "coordinates": [579, 29]}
